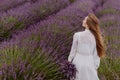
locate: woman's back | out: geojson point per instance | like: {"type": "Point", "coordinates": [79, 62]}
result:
{"type": "Point", "coordinates": [86, 42]}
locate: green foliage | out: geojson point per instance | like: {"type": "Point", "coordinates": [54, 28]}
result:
{"type": "Point", "coordinates": [109, 68]}
{"type": "Point", "coordinates": [108, 23]}
{"type": "Point", "coordinates": [41, 63]}
{"type": "Point", "coordinates": [5, 31]}
{"type": "Point", "coordinates": [108, 10]}
{"type": "Point", "coordinates": [10, 54]}
{"type": "Point", "coordinates": [72, 1]}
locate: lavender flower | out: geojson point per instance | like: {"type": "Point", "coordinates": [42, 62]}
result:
{"type": "Point", "coordinates": [68, 69]}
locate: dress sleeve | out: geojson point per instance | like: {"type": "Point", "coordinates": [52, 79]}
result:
{"type": "Point", "coordinates": [96, 58]}
{"type": "Point", "coordinates": [73, 48]}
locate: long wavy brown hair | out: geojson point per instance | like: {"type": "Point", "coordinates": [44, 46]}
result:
{"type": "Point", "coordinates": [94, 26]}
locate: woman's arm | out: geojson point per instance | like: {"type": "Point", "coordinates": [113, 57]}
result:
{"type": "Point", "coordinates": [96, 59]}
{"type": "Point", "coordinates": [73, 48]}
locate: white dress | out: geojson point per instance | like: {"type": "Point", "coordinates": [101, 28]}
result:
{"type": "Point", "coordinates": [84, 55]}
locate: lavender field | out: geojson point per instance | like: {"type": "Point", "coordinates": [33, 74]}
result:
{"type": "Point", "coordinates": [36, 37]}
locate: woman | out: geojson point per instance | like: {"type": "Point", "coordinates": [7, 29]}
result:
{"type": "Point", "coordinates": [87, 49]}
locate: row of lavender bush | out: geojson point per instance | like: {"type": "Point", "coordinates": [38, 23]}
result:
{"type": "Point", "coordinates": [8, 4]}
{"type": "Point", "coordinates": [108, 14]}
{"type": "Point", "coordinates": [45, 46]}
{"type": "Point", "coordinates": [44, 36]}
{"type": "Point", "coordinates": [29, 13]}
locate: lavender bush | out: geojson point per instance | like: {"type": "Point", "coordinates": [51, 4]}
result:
{"type": "Point", "coordinates": [29, 13]}
{"type": "Point", "coordinates": [17, 64]}
{"type": "Point", "coordinates": [108, 14]}
{"type": "Point", "coordinates": [53, 25]}
{"type": "Point", "coordinates": [108, 7]}
{"type": "Point", "coordinates": [6, 4]}
{"type": "Point", "coordinates": [41, 34]}
{"type": "Point", "coordinates": [43, 48]}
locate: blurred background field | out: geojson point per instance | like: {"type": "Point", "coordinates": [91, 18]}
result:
{"type": "Point", "coordinates": [36, 37]}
